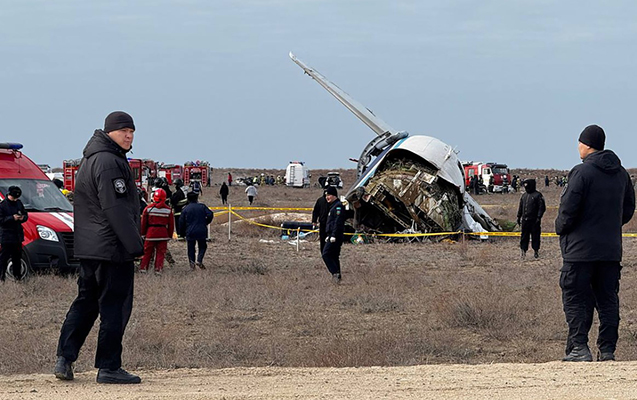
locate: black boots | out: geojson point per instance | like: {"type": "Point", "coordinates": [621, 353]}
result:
{"type": "Point", "coordinates": [579, 353]}
{"type": "Point", "coordinates": [63, 369]}
{"type": "Point", "coordinates": [116, 376]}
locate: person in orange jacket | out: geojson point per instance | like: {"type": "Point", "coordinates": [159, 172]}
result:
{"type": "Point", "coordinates": [158, 224]}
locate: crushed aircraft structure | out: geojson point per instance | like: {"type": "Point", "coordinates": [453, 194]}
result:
{"type": "Point", "coordinates": [406, 183]}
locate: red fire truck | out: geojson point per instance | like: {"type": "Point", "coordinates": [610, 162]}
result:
{"type": "Point", "coordinates": [48, 233]}
{"type": "Point", "coordinates": [197, 171]}
{"type": "Point", "coordinates": [171, 172]}
{"type": "Point", "coordinates": [141, 173]}
{"type": "Point", "coordinates": [495, 177]}
{"type": "Point", "coordinates": [70, 171]}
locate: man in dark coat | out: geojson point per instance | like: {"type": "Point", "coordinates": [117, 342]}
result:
{"type": "Point", "coordinates": [319, 217]}
{"type": "Point", "coordinates": [12, 216]}
{"type": "Point", "coordinates": [223, 191]}
{"type": "Point", "coordinates": [178, 202]}
{"type": "Point", "coordinates": [193, 223]}
{"type": "Point", "coordinates": [597, 201]}
{"type": "Point", "coordinates": [530, 212]}
{"type": "Point", "coordinates": [334, 231]}
{"type": "Point", "coordinates": [107, 240]}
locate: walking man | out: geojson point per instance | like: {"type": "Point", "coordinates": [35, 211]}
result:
{"type": "Point", "coordinates": [12, 216]}
{"type": "Point", "coordinates": [107, 240]}
{"type": "Point", "coordinates": [251, 191]}
{"type": "Point", "coordinates": [334, 232]}
{"type": "Point", "coordinates": [530, 212]}
{"type": "Point", "coordinates": [598, 199]}
{"type": "Point", "coordinates": [193, 224]}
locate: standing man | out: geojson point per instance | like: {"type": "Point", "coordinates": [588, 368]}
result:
{"type": "Point", "coordinates": [530, 212]}
{"type": "Point", "coordinates": [229, 179]}
{"type": "Point", "coordinates": [12, 216]}
{"type": "Point", "coordinates": [319, 217]}
{"type": "Point", "coordinates": [334, 232]}
{"type": "Point", "coordinates": [107, 240]}
{"type": "Point", "coordinates": [223, 191]}
{"type": "Point", "coordinates": [157, 229]}
{"type": "Point", "coordinates": [178, 202]}
{"type": "Point", "coordinates": [595, 203]}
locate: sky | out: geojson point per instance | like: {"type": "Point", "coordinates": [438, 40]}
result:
{"type": "Point", "coordinates": [511, 81]}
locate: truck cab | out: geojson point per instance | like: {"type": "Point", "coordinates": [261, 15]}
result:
{"type": "Point", "coordinates": [48, 233]}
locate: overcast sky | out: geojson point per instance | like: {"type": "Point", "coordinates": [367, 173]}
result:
{"type": "Point", "coordinates": [501, 80]}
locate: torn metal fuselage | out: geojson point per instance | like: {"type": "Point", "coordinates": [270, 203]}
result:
{"type": "Point", "coordinates": [406, 183]}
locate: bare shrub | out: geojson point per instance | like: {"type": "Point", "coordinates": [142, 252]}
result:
{"type": "Point", "coordinates": [254, 267]}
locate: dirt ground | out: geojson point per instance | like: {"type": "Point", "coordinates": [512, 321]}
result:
{"type": "Point", "coordinates": [553, 380]}
{"type": "Point", "coordinates": [266, 304]}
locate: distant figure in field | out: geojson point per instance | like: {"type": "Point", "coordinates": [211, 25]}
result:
{"type": "Point", "coordinates": [598, 200]}
{"type": "Point", "coordinates": [546, 181]}
{"type": "Point", "coordinates": [530, 212]}
{"type": "Point", "coordinates": [224, 193]}
{"type": "Point", "coordinates": [229, 179]}
{"type": "Point", "coordinates": [251, 192]}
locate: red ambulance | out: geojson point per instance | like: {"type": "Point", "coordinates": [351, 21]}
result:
{"type": "Point", "coordinates": [48, 233]}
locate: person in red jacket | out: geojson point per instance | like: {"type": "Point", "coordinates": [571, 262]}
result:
{"type": "Point", "coordinates": [158, 224]}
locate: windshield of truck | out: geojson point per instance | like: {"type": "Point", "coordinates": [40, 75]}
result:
{"type": "Point", "coordinates": [38, 195]}
{"type": "Point", "coordinates": [500, 170]}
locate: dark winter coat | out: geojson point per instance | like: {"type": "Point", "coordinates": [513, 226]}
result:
{"type": "Point", "coordinates": [336, 221]}
{"type": "Point", "coordinates": [11, 230]}
{"type": "Point", "coordinates": [106, 204]}
{"type": "Point", "coordinates": [194, 220]}
{"type": "Point", "coordinates": [178, 201]}
{"type": "Point", "coordinates": [532, 205]}
{"type": "Point", "coordinates": [598, 199]}
{"type": "Point", "coordinates": [320, 211]}
{"type": "Point", "coordinates": [223, 191]}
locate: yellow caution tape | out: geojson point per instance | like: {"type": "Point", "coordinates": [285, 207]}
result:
{"type": "Point", "coordinates": [265, 208]}
{"type": "Point", "coordinates": [500, 234]}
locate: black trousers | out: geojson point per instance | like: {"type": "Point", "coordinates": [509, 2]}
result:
{"type": "Point", "coordinates": [104, 289]}
{"type": "Point", "coordinates": [224, 199]}
{"type": "Point", "coordinates": [13, 252]}
{"type": "Point", "coordinates": [322, 236]}
{"type": "Point", "coordinates": [532, 230]}
{"type": "Point", "coordinates": [587, 286]}
{"type": "Point", "coordinates": [331, 254]}
{"type": "Point", "coordinates": [191, 249]}
{"type": "Point", "coordinates": [250, 199]}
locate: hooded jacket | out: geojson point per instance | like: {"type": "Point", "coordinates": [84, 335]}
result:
{"type": "Point", "coordinates": [598, 199]}
{"type": "Point", "coordinates": [336, 221]}
{"type": "Point", "coordinates": [532, 205]}
{"type": "Point", "coordinates": [106, 204]}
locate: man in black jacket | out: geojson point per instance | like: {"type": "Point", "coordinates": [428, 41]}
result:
{"type": "Point", "coordinates": [319, 217]}
{"type": "Point", "coordinates": [530, 212]}
{"type": "Point", "coordinates": [598, 199]}
{"type": "Point", "coordinates": [12, 216]}
{"type": "Point", "coordinates": [107, 240]}
{"type": "Point", "coordinates": [178, 202]}
{"type": "Point", "coordinates": [334, 234]}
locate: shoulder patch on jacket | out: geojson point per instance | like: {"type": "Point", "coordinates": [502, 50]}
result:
{"type": "Point", "coordinates": [119, 185]}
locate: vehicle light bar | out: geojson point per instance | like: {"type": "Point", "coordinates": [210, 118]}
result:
{"type": "Point", "coordinates": [11, 146]}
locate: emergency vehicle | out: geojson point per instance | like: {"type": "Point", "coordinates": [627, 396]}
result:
{"type": "Point", "coordinates": [171, 172]}
{"type": "Point", "coordinates": [495, 177]}
{"type": "Point", "coordinates": [70, 168]}
{"type": "Point", "coordinates": [48, 233]}
{"type": "Point", "coordinates": [141, 173]}
{"type": "Point", "coordinates": [196, 171]}
{"type": "Point", "coordinates": [297, 175]}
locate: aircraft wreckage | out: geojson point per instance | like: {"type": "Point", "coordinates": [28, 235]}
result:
{"type": "Point", "coordinates": [406, 183]}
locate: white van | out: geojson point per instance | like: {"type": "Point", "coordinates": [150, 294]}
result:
{"type": "Point", "coordinates": [297, 175]}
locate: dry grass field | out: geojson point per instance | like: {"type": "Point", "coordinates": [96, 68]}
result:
{"type": "Point", "coordinates": [263, 304]}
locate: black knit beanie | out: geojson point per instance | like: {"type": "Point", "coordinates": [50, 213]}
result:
{"type": "Point", "coordinates": [331, 190]}
{"type": "Point", "coordinates": [593, 136]}
{"type": "Point", "coordinates": [14, 191]}
{"type": "Point", "coordinates": [118, 120]}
